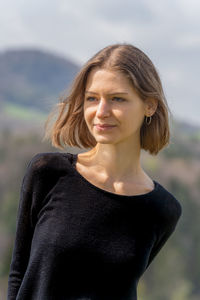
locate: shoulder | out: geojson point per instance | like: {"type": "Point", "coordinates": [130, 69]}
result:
{"type": "Point", "coordinates": [43, 160]}
{"type": "Point", "coordinates": [171, 204]}
{"type": "Point", "coordinates": [46, 166]}
{"type": "Point", "coordinates": [168, 208]}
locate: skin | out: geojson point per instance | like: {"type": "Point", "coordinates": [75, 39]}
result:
{"type": "Point", "coordinates": [114, 163]}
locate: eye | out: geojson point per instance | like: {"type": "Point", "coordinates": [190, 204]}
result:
{"type": "Point", "coordinates": [88, 98]}
{"type": "Point", "coordinates": [115, 98]}
{"type": "Point", "coordinates": [118, 98]}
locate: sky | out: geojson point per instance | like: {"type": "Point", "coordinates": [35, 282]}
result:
{"type": "Point", "coordinates": [168, 31]}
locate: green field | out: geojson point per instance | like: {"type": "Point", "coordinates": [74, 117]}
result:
{"type": "Point", "coordinates": [23, 113]}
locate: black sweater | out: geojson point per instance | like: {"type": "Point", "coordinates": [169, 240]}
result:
{"type": "Point", "coordinates": [76, 241]}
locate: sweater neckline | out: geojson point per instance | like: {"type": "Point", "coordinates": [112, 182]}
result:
{"type": "Point", "coordinates": [74, 158]}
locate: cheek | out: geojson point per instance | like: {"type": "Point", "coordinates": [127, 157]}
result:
{"type": "Point", "coordinates": [89, 117]}
{"type": "Point", "coordinates": [87, 114]}
{"type": "Point", "coordinates": [133, 120]}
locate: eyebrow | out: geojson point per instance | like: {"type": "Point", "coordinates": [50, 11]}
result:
{"type": "Point", "coordinates": [108, 94]}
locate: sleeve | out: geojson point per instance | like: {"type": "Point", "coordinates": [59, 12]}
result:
{"type": "Point", "coordinates": [164, 234]}
{"type": "Point", "coordinates": [24, 232]}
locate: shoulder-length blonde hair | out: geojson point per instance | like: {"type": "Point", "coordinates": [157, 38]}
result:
{"type": "Point", "coordinates": [70, 127]}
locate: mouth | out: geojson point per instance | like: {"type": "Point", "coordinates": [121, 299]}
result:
{"type": "Point", "coordinates": [104, 127]}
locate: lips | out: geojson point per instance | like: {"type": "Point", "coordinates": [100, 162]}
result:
{"type": "Point", "coordinates": [104, 125]}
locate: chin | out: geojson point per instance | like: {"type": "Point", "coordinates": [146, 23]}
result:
{"type": "Point", "coordinates": [104, 139]}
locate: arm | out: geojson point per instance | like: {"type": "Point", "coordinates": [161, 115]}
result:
{"type": "Point", "coordinates": [24, 233]}
{"type": "Point", "coordinates": [42, 174]}
{"type": "Point", "coordinates": [164, 233]}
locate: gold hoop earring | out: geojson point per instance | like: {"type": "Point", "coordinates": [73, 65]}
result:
{"type": "Point", "coordinates": [146, 121]}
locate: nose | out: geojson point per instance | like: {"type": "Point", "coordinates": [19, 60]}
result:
{"type": "Point", "coordinates": [103, 109]}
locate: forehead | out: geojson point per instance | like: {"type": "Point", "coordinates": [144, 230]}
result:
{"type": "Point", "coordinates": [103, 76]}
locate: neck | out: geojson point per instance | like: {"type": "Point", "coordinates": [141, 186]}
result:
{"type": "Point", "coordinates": [116, 162]}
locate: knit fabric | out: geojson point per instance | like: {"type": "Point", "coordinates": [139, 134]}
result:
{"type": "Point", "coordinates": [76, 241]}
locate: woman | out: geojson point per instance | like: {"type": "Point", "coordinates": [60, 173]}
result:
{"type": "Point", "coordinates": [89, 224]}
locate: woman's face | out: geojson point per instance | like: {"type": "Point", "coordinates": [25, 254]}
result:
{"type": "Point", "coordinates": [111, 99]}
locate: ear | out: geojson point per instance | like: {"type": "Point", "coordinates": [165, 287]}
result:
{"type": "Point", "coordinates": [150, 106]}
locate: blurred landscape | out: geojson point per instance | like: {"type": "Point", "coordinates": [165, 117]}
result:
{"type": "Point", "coordinates": [31, 82]}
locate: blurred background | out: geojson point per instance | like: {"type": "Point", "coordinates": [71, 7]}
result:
{"type": "Point", "coordinates": [43, 44]}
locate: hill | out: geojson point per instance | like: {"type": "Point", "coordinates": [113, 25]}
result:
{"type": "Point", "coordinates": [33, 78]}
